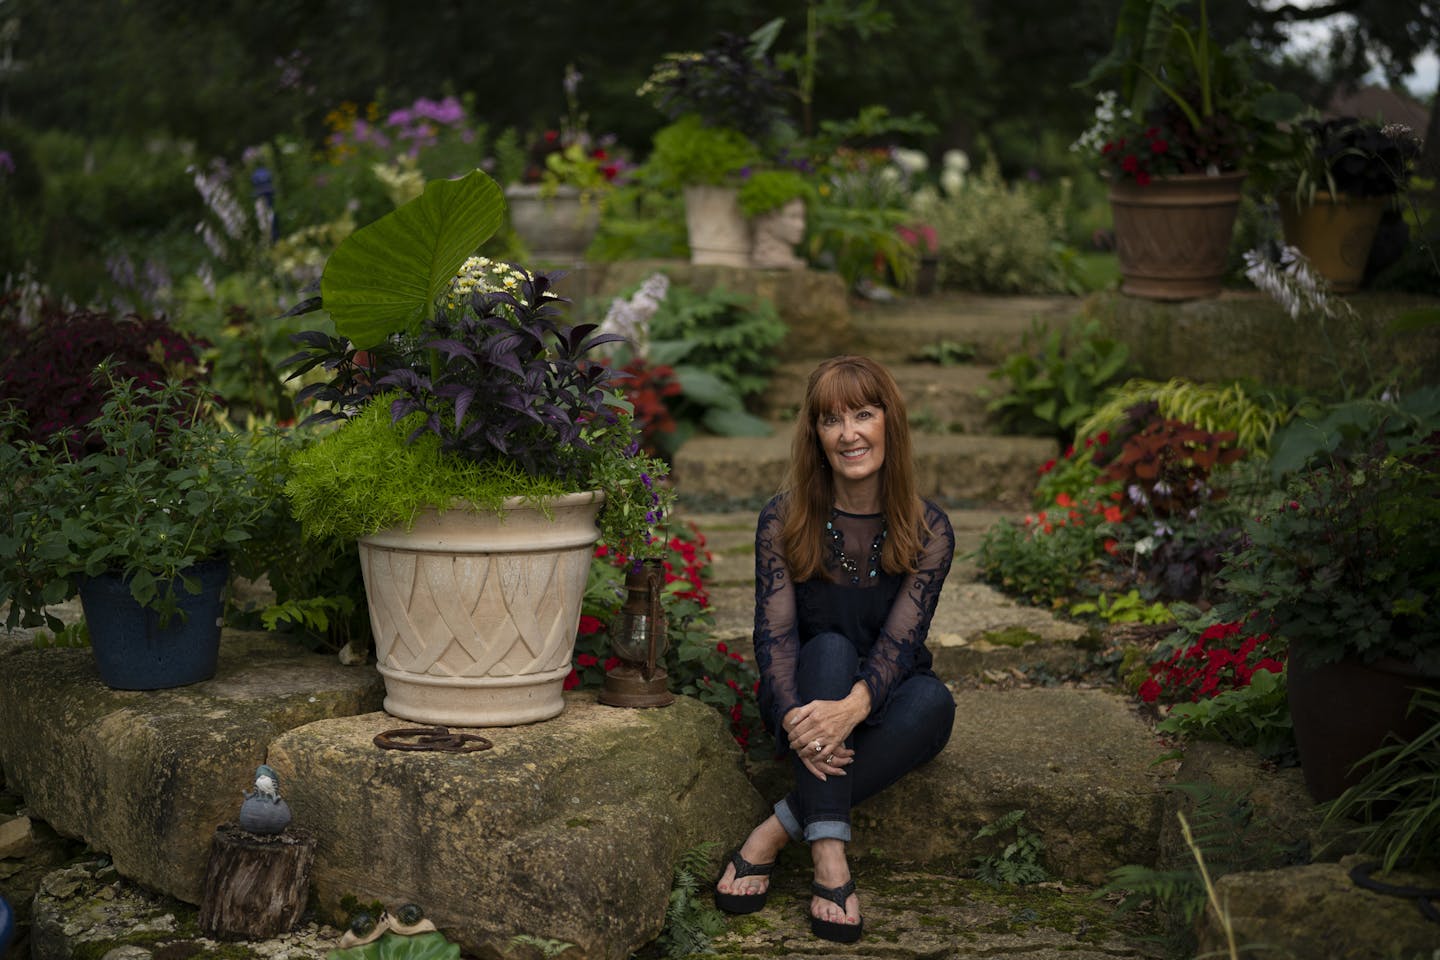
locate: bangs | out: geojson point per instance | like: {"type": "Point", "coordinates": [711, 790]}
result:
{"type": "Point", "coordinates": [846, 386]}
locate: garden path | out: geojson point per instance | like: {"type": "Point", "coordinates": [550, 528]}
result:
{"type": "Point", "coordinates": [924, 906]}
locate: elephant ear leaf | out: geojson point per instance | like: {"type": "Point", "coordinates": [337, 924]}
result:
{"type": "Point", "coordinates": [385, 277]}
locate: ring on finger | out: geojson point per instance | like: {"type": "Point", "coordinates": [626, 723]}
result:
{"type": "Point", "coordinates": [818, 746]}
{"type": "Point", "coordinates": [830, 758]}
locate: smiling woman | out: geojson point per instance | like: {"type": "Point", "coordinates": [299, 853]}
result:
{"type": "Point", "coordinates": [849, 562]}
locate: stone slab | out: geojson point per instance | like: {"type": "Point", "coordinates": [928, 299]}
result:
{"type": "Point", "coordinates": [566, 830]}
{"type": "Point", "coordinates": [928, 915]}
{"type": "Point", "coordinates": [88, 910]}
{"type": "Point", "coordinates": [1300, 913]}
{"type": "Point", "coordinates": [1247, 335]}
{"type": "Point", "coordinates": [1080, 763]}
{"type": "Point", "coordinates": [993, 326]}
{"type": "Point", "coordinates": [146, 776]}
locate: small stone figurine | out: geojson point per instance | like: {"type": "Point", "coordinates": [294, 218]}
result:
{"type": "Point", "coordinates": [263, 810]}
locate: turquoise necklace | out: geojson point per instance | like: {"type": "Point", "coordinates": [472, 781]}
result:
{"type": "Point", "coordinates": [837, 548]}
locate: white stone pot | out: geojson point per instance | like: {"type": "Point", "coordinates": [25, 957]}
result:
{"type": "Point", "coordinates": [556, 228]}
{"type": "Point", "coordinates": [474, 616]}
{"type": "Point", "coordinates": [718, 232]}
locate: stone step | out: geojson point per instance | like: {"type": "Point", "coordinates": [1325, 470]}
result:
{"type": "Point", "coordinates": [910, 914]}
{"type": "Point", "coordinates": [992, 327]}
{"type": "Point", "coordinates": [939, 399]}
{"type": "Point", "coordinates": [952, 468]}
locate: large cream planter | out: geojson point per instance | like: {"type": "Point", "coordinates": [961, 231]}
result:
{"type": "Point", "coordinates": [718, 233]}
{"type": "Point", "coordinates": [474, 616]}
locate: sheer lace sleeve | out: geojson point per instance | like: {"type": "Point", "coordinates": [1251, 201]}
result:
{"type": "Point", "coordinates": [777, 635]}
{"type": "Point", "coordinates": [892, 658]}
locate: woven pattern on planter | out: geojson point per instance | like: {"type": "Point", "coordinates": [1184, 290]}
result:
{"type": "Point", "coordinates": [475, 615]}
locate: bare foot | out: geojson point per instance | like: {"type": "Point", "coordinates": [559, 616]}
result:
{"type": "Point", "coordinates": [832, 870]}
{"type": "Point", "coordinates": [760, 848]}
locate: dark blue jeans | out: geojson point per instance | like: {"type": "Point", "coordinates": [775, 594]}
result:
{"type": "Point", "coordinates": [913, 728]}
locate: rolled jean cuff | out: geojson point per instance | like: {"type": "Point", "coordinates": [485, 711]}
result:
{"type": "Point", "coordinates": [827, 830]}
{"type": "Point", "coordinates": [788, 821]}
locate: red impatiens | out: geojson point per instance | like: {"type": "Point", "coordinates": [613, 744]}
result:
{"type": "Point", "coordinates": [1210, 665]}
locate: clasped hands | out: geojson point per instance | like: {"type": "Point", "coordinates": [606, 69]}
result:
{"type": "Point", "coordinates": [826, 725]}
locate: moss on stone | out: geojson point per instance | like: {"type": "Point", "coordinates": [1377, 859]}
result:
{"type": "Point", "coordinates": [1011, 637]}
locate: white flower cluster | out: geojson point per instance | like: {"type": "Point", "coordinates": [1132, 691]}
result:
{"type": "Point", "coordinates": [481, 275]}
{"type": "Point", "coordinates": [1292, 284]}
{"type": "Point", "coordinates": [1108, 115]}
{"type": "Point", "coordinates": [953, 167]}
{"type": "Point", "coordinates": [631, 318]}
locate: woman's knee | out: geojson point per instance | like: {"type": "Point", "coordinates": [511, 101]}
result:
{"type": "Point", "coordinates": [931, 710]}
{"type": "Point", "coordinates": [827, 661]}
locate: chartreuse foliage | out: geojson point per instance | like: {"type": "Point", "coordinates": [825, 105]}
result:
{"type": "Point", "coordinates": [1252, 415]}
{"type": "Point", "coordinates": [366, 477]}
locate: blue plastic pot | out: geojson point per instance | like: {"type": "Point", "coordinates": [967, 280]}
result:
{"type": "Point", "coordinates": [134, 652]}
{"type": "Point", "coordinates": [7, 925]}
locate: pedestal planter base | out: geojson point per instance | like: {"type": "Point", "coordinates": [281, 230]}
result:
{"type": "Point", "coordinates": [1172, 235]}
{"type": "Point", "coordinates": [474, 617]}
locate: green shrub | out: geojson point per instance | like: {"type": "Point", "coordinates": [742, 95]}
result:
{"type": "Point", "coordinates": [640, 222]}
{"type": "Point", "coordinates": [1345, 565]}
{"type": "Point", "coordinates": [994, 238]}
{"type": "Point", "coordinates": [769, 190]}
{"type": "Point", "coordinates": [1058, 378]}
{"type": "Point", "coordinates": [1255, 716]}
{"type": "Point", "coordinates": [688, 152]}
{"type": "Point", "coordinates": [1038, 561]}
{"type": "Point", "coordinates": [732, 336]}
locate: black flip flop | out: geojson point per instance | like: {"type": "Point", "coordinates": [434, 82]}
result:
{"type": "Point", "coordinates": [829, 929]}
{"type": "Point", "coordinates": [743, 902]}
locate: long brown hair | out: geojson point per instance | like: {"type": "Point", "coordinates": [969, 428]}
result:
{"type": "Point", "coordinates": [836, 385]}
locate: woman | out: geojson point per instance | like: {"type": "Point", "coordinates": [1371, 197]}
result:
{"type": "Point", "coordinates": [849, 562]}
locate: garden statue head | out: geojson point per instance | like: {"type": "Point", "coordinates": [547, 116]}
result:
{"type": "Point", "coordinates": [776, 234]}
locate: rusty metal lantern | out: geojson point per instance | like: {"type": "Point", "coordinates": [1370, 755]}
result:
{"type": "Point", "coordinates": [638, 638]}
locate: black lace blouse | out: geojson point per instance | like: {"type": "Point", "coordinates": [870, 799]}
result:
{"type": "Point", "coordinates": [886, 616]}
